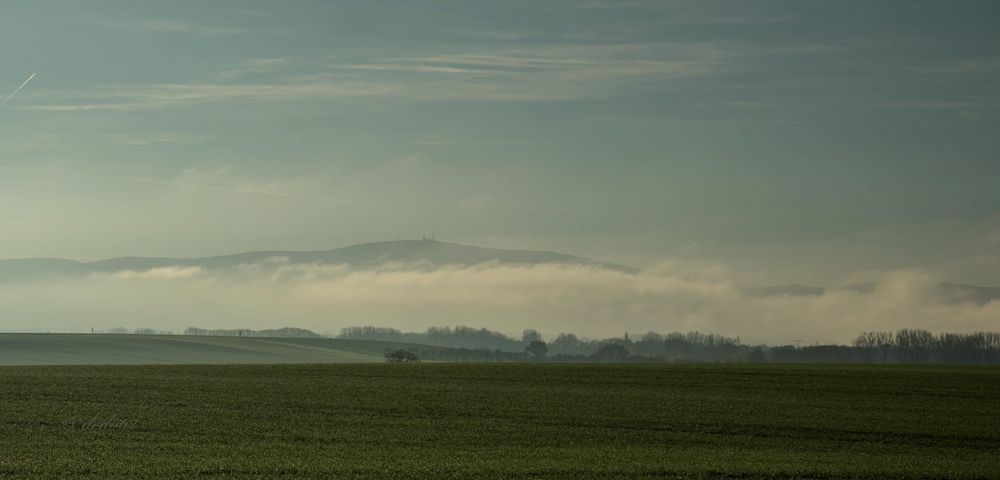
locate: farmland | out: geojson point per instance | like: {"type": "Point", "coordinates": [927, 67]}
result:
{"type": "Point", "coordinates": [499, 421]}
{"type": "Point", "coordinates": [81, 349]}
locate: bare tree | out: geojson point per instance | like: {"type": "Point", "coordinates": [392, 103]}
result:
{"type": "Point", "coordinates": [875, 344]}
{"type": "Point", "coordinates": [914, 345]}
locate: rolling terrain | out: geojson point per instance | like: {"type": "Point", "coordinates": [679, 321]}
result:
{"type": "Point", "coordinates": [409, 254]}
{"type": "Point", "coordinates": [84, 349]}
{"type": "Point", "coordinates": [426, 252]}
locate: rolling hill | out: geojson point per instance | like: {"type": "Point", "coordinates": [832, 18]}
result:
{"type": "Point", "coordinates": [85, 349]}
{"type": "Point", "coordinates": [362, 256]}
{"type": "Point", "coordinates": [418, 253]}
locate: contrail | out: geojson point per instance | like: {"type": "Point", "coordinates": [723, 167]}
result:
{"type": "Point", "coordinates": [18, 89]}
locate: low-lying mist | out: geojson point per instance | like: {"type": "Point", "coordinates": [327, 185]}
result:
{"type": "Point", "coordinates": [551, 298]}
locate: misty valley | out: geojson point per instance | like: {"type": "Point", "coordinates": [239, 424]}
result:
{"type": "Point", "coordinates": [208, 387]}
{"type": "Point", "coordinates": [500, 239]}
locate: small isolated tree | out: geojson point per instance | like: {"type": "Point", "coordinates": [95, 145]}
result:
{"type": "Point", "coordinates": [401, 356]}
{"type": "Point", "coordinates": [531, 335]}
{"type": "Point", "coordinates": [537, 348]}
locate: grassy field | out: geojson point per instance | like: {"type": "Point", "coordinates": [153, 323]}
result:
{"type": "Point", "coordinates": [83, 349]}
{"type": "Point", "coordinates": [499, 421]}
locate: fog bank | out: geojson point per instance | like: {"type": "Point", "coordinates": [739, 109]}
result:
{"type": "Point", "coordinates": [587, 301]}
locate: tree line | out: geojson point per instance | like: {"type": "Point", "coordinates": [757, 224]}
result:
{"type": "Point", "coordinates": [902, 346]}
{"type": "Point", "coordinates": [287, 332]}
{"type": "Point", "coordinates": [456, 337]}
{"type": "Point", "coordinates": [468, 344]}
{"type": "Point", "coordinates": [921, 346]}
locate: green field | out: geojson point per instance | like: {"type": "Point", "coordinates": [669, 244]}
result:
{"type": "Point", "coordinates": [83, 349]}
{"type": "Point", "coordinates": [499, 421]}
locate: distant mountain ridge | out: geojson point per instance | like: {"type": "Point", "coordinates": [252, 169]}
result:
{"type": "Point", "coordinates": [361, 256]}
{"type": "Point", "coordinates": [431, 252]}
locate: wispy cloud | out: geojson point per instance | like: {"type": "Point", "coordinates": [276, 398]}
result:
{"type": "Point", "coordinates": [449, 143]}
{"type": "Point", "coordinates": [266, 65]}
{"type": "Point", "coordinates": [140, 139]}
{"type": "Point", "coordinates": [70, 140]}
{"type": "Point", "coordinates": [239, 190]}
{"type": "Point", "coordinates": [943, 104]}
{"type": "Point", "coordinates": [168, 26]}
{"type": "Point", "coordinates": [975, 65]}
{"type": "Point", "coordinates": [607, 4]}
{"type": "Point", "coordinates": [532, 74]}
{"type": "Point", "coordinates": [32, 142]}
{"type": "Point", "coordinates": [494, 34]}
{"type": "Point", "coordinates": [744, 20]}
{"type": "Point", "coordinates": [550, 72]}
{"type": "Point", "coordinates": [407, 67]}
{"type": "Point", "coordinates": [148, 97]}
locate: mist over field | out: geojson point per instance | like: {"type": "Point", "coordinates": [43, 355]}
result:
{"type": "Point", "coordinates": [553, 298]}
{"type": "Point", "coordinates": [547, 239]}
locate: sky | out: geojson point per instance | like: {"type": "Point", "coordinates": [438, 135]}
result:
{"type": "Point", "coordinates": [792, 141]}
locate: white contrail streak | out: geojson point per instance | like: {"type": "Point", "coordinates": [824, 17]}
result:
{"type": "Point", "coordinates": [18, 89]}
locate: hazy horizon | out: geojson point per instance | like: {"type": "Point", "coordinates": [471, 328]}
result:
{"type": "Point", "coordinates": [413, 285]}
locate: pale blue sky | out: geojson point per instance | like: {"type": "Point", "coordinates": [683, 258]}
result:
{"type": "Point", "coordinates": [797, 141]}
